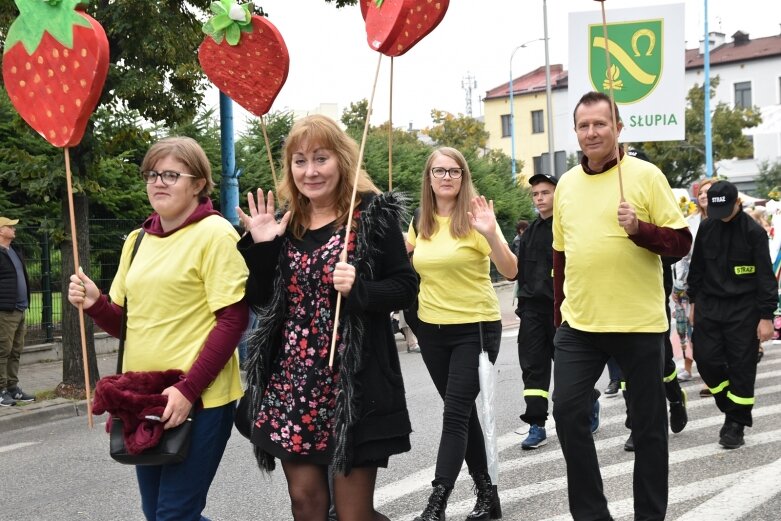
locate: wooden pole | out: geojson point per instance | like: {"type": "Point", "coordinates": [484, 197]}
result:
{"type": "Point", "coordinates": [343, 256]}
{"type": "Point", "coordinates": [609, 74]}
{"type": "Point", "coordinates": [77, 265]}
{"type": "Point", "coordinates": [268, 153]}
{"type": "Point", "coordinates": [390, 131]}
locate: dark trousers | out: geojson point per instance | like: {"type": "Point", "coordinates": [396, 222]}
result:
{"type": "Point", "coordinates": [672, 388]}
{"type": "Point", "coordinates": [580, 360]}
{"type": "Point", "coordinates": [178, 492]}
{"type": "Point", "coordinates": [613, 370]}
{"type": "Point", "coordinates": [451, 353]}
{"type": "Point", "coordinates": [725, 333]}
{"type": "Point", "coordinates": [535, 354]}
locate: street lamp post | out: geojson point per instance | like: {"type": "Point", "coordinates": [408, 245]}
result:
{"type": "Point", "coordinates": [512, 106]}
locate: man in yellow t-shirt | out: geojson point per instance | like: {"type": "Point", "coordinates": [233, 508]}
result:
{"type": "Point", "coordinates": [609, 301]}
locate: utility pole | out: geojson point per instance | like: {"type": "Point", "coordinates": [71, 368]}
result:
{"type": "Point", "coordinates": [468, 83]}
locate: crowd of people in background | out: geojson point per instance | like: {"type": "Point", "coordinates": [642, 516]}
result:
{"type": "Point", "coordinates": [325, 277]}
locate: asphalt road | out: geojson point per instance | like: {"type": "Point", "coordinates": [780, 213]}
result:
{"type": "Point", "coordinates": [61, 470]}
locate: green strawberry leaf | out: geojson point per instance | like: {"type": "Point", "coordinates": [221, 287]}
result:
{"type": "Point", "coordinates": [379, 3]}
{"type": "Point", "coordinates": [57, 17]}
{"type": "Point", "coordinates": [229, 21]}
{"type": "Point", "coordinates": [217, 8]}
{"type": "Point", "coordinates": [221, 22]}
{"type": "Point", "coordinates": [232, 34]}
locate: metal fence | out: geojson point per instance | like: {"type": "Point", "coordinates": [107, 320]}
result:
{"type": "Point", "coordinates": [44, 268]}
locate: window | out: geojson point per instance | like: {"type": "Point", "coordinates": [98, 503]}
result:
{"type": "Point", "coordinates": [559, 163]}
{"type": "Point", "coordinates": [506, 132]}
{"type": "Point", "coordinates": [536, 165]}
{"type": "Point", "coordinates": [743, 95]}
{"type": "Point", "coordinates": [538, 126]}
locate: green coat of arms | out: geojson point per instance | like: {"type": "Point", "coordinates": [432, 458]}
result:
{"type": "Point", "coordinates": [636, 50]}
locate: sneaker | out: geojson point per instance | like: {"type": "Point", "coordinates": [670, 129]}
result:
{"type": "Point", "coordinates": [678, 416]}
{"type": "Point", "coordinates": [19, 395]}
{"type": "Point", "coordinates": [6, 400]}
{"type": "Point", "coordinates": [612, 388]}
{"type": "Point", "coordinates": [684, 375]}
{"type": "Point", "coordinates": [415, 348]}
{"type": "Point", "coordinates": [536, 438]}
{"type": "Point", "coordinates": [595, 417]}
{"type": "Point", "coordinates": [731, 436]}
{"type": "Point", "coordinates": [629, 444]}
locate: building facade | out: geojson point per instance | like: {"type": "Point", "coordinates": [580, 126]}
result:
{"type": "Point", "coordinates": [749, 74]}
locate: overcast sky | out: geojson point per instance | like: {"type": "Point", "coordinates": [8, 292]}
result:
{"type": "Point", "coordinates": [331, 62]}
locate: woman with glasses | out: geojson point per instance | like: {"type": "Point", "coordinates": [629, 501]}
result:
{"type": "Point", "coordinates": [183, 295]}
{"type": "Point", "coordinates": [455, 241]}
{"type": "Point", "coordinates": [309, 415]}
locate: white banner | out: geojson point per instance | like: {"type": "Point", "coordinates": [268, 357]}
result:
{"type": "Point", "coordinates": [647, 53]}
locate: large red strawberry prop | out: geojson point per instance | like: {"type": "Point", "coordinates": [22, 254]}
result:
{"type": "Point", "coordinates": [244, 55]}
{"type": "Point", "coordinates": [393, 27]}
{"type": "Point", "coordinates": [54, 66]}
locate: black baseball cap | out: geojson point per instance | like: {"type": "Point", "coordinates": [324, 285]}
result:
{"type": "Point", "coordinates": [639, 154]}
{"type": "Point", "coordinates": [540, 178]}
{"type": "Point", "coordinates": [721, 199]}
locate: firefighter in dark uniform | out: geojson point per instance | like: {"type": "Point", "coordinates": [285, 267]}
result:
{"type": "Point", "coordinates": [732, 283]}
{"type": "Point", "coordinates": [535, 309]}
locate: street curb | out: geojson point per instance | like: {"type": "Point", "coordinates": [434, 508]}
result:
{"type": "Point", "coordinates": [44, 412]}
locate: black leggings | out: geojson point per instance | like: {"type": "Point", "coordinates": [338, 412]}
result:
{"type": "Point", "coordinates": [451, 353]}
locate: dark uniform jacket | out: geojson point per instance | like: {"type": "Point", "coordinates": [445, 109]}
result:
{"type": "Point", "coordinates": [732, 261]}
{"type": "Point", "coordinates": [535, 267]}
{"type": "Point", "coordinates": [371, 418]}
{"type": "Point", "coordinates": [8, 280]}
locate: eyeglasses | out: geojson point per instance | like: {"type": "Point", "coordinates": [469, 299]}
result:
{"type": "Point", "coordinates": [168, 177]}
{"type": "Point", "coordinates": [454, 173]}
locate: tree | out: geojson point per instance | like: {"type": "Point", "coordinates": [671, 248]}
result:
{"type": "Point", "coordinates": [490, 171]}
{"type": "Point", "coordinates": [769, 180]}
{"type": "Point", "coordinates": [683, 161]}
{"type": "Point", "coordinates": [252, 155]}
{"type": "Point", "coordinates": [153, 73]}
{"type": "Point", "coordinates": [462, 132]}
{"type": "Point", "coordinates": [354, 118]}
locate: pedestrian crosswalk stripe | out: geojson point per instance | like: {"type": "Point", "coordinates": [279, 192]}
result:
{"type": "Point", "coordinates": [758, 484]}
{"type": "Point", "coordinates": [421, 479]}
{"type": "Point", "coordinates": [677, 495]}
{"type": "Point", "coordinates": [514, 495]}
{"type": "Point", "coordinates": [16, 446]}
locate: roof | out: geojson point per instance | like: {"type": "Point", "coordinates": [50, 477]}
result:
{"type": "Point", "coordinates": [740, 49]}
{"type": "Point", "coordinates": [533, 81]}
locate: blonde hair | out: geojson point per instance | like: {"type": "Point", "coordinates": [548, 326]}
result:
{"type": "Point", "coordinates": [459, 220]}
{"type": "Point", "coordinates": [321, 132]}
{"type": "Point", "coordinates": [185, 150]}
{"type": "Point", "coordinates": [703, 182]}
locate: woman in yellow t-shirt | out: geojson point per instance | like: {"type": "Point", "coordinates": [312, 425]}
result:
{"type": "Point", "coordinates": [454, 242]}
{"type": "Point", "coordinates": [183, 296]}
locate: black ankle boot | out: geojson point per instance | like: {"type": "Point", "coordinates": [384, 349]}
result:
{"type": "Point", "coordinates": [437, 503]}
{"type": "Point", "coordinates": [487, 506]}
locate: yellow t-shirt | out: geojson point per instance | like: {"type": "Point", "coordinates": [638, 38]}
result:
{"type": "Point", "coordinates": [610, 284]}
{"type": "Point", "coordinates": [455, 283]}
{"type": "Point", "coordinates": [173, 287]}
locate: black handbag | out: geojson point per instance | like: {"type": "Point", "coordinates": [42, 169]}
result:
{"type": "Point", "coordinates": [174, 443]}
{"type": "Point", "coordinates": [242, 418]}
{"type": "Point", "coordinates": [173, 447]}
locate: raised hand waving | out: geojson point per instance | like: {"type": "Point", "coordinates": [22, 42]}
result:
{"type": "Point", "coordinates": [261, 222]}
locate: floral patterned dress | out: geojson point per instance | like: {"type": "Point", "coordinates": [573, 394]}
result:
{"type": "Point", "coordinates": [298, 405]}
